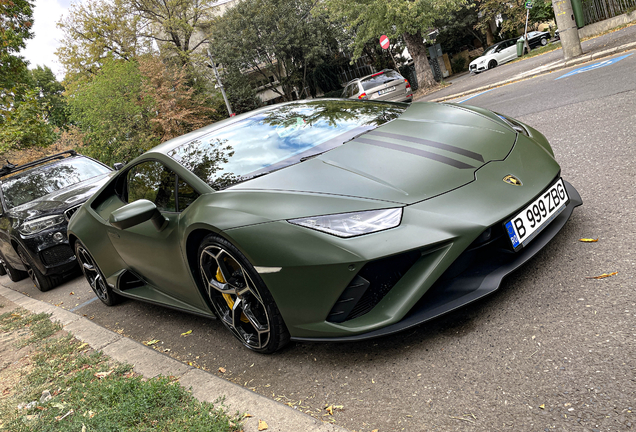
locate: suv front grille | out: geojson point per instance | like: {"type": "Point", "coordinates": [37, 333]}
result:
{"type": "Point", "coordinates": [71, 211]}
{"type": "Point", "coordinates": [56, 254]}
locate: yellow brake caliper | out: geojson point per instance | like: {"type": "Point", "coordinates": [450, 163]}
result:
{"type": "Point", "coordinates": [228, 298]}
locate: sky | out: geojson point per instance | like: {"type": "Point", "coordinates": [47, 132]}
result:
{"type": "Point", "coordinates": [41, 49]}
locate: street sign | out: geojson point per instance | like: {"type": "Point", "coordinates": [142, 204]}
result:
{"type": "Point", "coordinates": [384, 42]}
{"type": "Point", "coordinates": [528, 4]}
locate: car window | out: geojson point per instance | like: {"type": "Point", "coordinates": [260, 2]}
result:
{"type": "Point", "coordinates": [379, 79]}
{"type": "Point", "coordinates": [152, 181]}
{"type": "Point", "coordinates": [186, 194]}
{"type": "Point", "coordinates": [43, 180]}
{"type": "Point", "coordinates": [352, 90]}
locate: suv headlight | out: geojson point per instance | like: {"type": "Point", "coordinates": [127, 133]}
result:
{"type": "Point", "coordinates": [37, 225]}
{"type": "Point", "coordinates": [353, 224]}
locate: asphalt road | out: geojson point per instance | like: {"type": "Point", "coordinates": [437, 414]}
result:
{"type": "Point", "coordinates": [551, 350]}
{"type": "Point", "coordinates": [506, 71]}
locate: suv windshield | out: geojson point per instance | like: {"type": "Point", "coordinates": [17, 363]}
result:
{"type": "Point", "coordinates": [35, 183]}
{"type": "Point", "coordinates": [379, 79]}
{"type": "Point", "coordinates": [278, 138]}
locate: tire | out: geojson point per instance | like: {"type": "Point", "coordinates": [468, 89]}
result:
{"type": "Point", "coordinates": [3, 271]}
{"type": "Point", "coordinates": [544, 41]}
{"type": "Point", "coordinates": [492, 64]}
{"type": "Point", "coordinates": [239, 297]}
{"type": "Point", "coordinates": [41, 281]}
{"type": "Point", "coordinates": [14, 275]}
{"type": "Point", "coordinates": [95, 277]}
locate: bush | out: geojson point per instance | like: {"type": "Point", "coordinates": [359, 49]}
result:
{"type": "Point", "coordinates": [458, 64]}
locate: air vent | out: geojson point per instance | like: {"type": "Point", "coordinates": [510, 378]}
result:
{"type": "Point", "coordinates": [71, 211]}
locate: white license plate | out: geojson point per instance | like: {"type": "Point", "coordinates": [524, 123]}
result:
{"type": "Point", "coordinates": [386, 90]}
{"type": "Point", "coordinates": [535, 217]}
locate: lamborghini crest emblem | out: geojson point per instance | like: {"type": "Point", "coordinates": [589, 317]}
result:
{"type": "Point", "coordinates": [510, 179]}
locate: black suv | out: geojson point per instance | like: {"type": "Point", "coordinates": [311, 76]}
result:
{"type": "Point", "coordinates": [38, 199]}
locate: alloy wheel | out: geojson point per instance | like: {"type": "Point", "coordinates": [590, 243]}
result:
{"type": "Point", "coordinates": [29, 270]}
{"type": "Point", "coordinates": [92, 273]}
{"type": "Point", "coordinates": [235, 297]}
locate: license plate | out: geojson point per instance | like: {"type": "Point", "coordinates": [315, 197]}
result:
{"type": "Point", "coordinates": [386, 90]}
{"type": "Point", "coordinates": [535, 217]}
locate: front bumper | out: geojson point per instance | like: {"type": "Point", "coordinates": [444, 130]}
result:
{"type": "Point", "coordinates": [51, 257]}
{"type": "Point", "coordinates": [481, 277]}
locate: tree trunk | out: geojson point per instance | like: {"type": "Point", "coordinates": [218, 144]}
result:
{"type": "Point", "coordinates": [417, 49]}
{"type": "Point", "coordinates": [490, 38]}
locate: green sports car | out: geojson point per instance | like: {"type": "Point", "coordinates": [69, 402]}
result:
{"type": "Point", "coordinates": [328, 220]}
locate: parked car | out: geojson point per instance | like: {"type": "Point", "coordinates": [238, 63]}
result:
{"type": "Point", "coordinates": [499, 53]}
{"type": "Point", "coordinates": [386, 85]}
{"type": "Point", "coordinates": [537, 38]}
{"type": "Point", "coordinates": [327, 220]}
{"type": "Point", "coordinates": [38, 198]}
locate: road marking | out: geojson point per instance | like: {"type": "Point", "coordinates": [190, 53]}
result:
{"type": "Point", "coordinates": [474, 96]}
{"type": "Point", "coordinates": [594, 66]}
{"type": "Point", "coordinates": [86, 303]}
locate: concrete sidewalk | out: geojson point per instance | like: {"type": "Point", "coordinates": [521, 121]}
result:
{"type": "Point", "coordinates": [151, 363]}
{"type": "Point", "coordinates": [591, 55]}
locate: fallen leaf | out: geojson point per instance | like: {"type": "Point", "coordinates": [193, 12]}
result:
{"type": "Point", "coordinates": [82, 346]}
{"type": "Point", "coordinates": [186, 333]}
{"type": "Point", "coordinates": [222, 369]}
{"type": "Point", "coordinates": [71, 293]}
{"type": "Point", "coordinates": [262, 425]}
{"type": "Point", "coordinates": [603, 276]}
{"type": "Point", "coordinates": [542, 406]}
{"type": "Point", "coordinates": [588, 240]}
{"type": "Point", "coordinates": [329, 410]}
{"type": "Point", "coordinates": [151, 342]}
{"type": "Point", "coordinates": [101, 375]}
{"type": "Point", "coordinates": [58, 418]}
{"type": "Point", "coordinates": [246, 415]}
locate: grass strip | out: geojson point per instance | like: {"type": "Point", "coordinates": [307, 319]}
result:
{"type": "Point", "coordinates": [64, 385]}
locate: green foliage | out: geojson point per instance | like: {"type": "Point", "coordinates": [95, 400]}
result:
{"type": "Point", "coordinates": [24, 121]}
{"type": "Point", "coordinates": [514, 14]}
{"type": "Point", "coordinates": [16, 21]}
{"type": "Point", "coordinates": [458, 64]}
{"type": "Point", "coordinates": [51, 95]}
{"type": "Point", "coordinates": [112, 113]}
{"type": "Point", "coordinates": [278, 38]}
{"type": "Point", "coordinates": [541, 12]}
{"type": "Point", "coordinates": [457, 29]}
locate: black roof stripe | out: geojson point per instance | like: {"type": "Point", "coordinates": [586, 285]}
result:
{"type": "Point", "coordinates": [430, 143]}
{"type": "Point", "coordinates": [418, 152]}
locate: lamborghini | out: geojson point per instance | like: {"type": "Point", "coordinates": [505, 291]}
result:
{"type": "Point", "coordinates": [325, 220]}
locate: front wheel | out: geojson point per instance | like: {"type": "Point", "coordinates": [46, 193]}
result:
{"type": "Point", "coordinates": [544, 41]}
{"type": "Point", "coordinates": [492, 64]}
{"type": "Point", "coordinates": [95, 277]}
{"type": "Point", "coordinates": [41, 281]}
{"type": "Point", "coordinates": [239, 297]}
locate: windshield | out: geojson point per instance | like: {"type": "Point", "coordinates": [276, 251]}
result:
{"type": "Point", "coordinates": [379, 79]}
{"type": "Point", "coordinates": [278, 138]}
{"type": "Point", "coordinates": [490, 50]}
{"type": "Point", "coordinates": [43, 180]}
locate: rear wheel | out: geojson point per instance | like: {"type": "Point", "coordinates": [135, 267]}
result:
{"type": "Point", "coordinates": [544, 41]}
{"type": "Point", "coordinates": [95, 277]}
{"type": "Point", "coordinates": [239, 296]}
{"type": "Point", "coordinates": [492, 64]}
{"type": "Point", "coordinates": [41, 281]}
{"type": "Point", "coordinates": [14, 275]}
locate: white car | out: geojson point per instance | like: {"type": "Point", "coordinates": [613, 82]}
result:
{"type": "Point", "coordinates": [497, 54]}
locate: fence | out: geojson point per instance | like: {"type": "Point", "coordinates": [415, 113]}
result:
{"type": "Point", "coordinates": [599, 10]}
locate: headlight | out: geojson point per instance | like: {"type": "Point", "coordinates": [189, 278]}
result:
{"type": "Point", "coordinates": [37, 225]}
{"type": "Point", "coordinates": [353, 224]}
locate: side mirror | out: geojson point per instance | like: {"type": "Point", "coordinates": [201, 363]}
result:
{"type": "Point", "coordinates": [135, 213]}
{"type": "Point", "coordinates": [118, 166]}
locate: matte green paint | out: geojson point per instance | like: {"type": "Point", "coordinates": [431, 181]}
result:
{"type": "Point", "coordinates": [445, 209]}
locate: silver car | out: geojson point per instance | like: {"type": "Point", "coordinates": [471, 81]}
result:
{"type": "Point", "coordinates": [386, 85]}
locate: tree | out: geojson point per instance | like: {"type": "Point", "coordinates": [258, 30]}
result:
{"type": "Point", "coordinates": [458, 28]}
{"type": "Point", "coordinates": [24, 122]}
{"type": "Point", "coordinates": [16, 21]}
{"type": "Point", "coordinates": [50, 95]}
{"type": "Point", "coordinates": [411, 19]}
{"type": "Point", "coordinates": [513, 13]}
{"type": "Point", "coordinates": [275, 38]}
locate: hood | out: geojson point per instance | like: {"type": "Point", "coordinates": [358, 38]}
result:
{"type": "Point", "coordinates": [60, 200]}
{"type": "Point", "coordinates": [429, 150]}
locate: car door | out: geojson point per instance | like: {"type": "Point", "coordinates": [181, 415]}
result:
{"type": "Point", "coordinates": [153, 255]}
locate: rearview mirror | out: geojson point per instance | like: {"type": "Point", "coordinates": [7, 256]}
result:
{"type": "Point", "coordinates": [118, 166]}
{"type": "Point", "coordinates": [135, 213]}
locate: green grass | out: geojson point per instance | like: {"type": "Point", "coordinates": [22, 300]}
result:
{"type": "Point", "coordinates": [119, 401]}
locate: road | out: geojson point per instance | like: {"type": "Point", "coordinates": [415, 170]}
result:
{"type": "Point", "coordinates": [551, 350]}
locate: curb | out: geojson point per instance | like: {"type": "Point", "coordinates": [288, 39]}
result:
{"type": "Point", "coordinates": [150, 363]}
{"type": "Point", "coordinates": [551, 67]}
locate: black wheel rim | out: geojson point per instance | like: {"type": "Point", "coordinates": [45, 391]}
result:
{"type": "Point", "coordinates": [92, 273]}
{"type": "Point", "coordinates": [234, 296]}
{"type": "Point", "coordinates": [29, 270]}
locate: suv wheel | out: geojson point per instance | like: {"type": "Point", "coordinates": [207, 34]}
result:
{"type": "Point", "coordinates": [41, 282]}
{"type": "Point", "coordinates": [14, 275]}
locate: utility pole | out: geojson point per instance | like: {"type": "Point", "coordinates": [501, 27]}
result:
{"type": "Point", "coordinates": [212, 65]}
{"type": "Point", "coordinates": [568, 31]}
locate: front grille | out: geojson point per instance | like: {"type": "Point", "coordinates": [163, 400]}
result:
{"type": "Point", "coordinates": [71, 211]}
{"type": "Point", "coordinates": [372, 283]}
{"type": "Point", "coordinates": [56, 254]}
